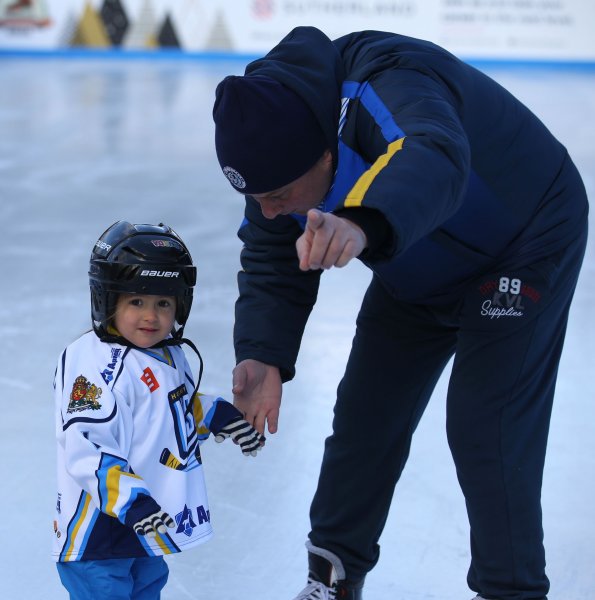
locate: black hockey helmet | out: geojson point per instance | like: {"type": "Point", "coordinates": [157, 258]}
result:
{"type": "Point", "coordinates": [139, 259]}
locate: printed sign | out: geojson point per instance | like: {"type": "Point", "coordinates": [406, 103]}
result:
{"type": "Point", "coordinates": [497, 29]}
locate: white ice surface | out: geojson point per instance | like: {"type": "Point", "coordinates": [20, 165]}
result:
{"type": "Point", "coordinates": [86, 142]}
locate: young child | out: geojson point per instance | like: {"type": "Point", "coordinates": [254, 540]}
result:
{"type": "Point", "coordinates": [130, 420]}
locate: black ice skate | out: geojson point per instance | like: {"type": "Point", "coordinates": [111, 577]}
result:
{"type": "Point", "coordinates": [326, 578]}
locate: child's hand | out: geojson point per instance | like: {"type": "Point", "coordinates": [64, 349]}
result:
{"type": "Point", "coordinates": [158, 521]}
{"type": "Point", "coordinates": [242, 433]}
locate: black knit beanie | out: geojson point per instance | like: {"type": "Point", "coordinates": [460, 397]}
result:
{"type": "Point", "coordinates": [266, 136]}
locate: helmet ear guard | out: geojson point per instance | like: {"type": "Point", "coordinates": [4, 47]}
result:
{"type": "Point", "coordinates": [139, 259]}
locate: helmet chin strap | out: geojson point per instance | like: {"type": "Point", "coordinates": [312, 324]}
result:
{"type": "Point", "coordinates": [178, 342]}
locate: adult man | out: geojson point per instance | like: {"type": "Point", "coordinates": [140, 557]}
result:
{"type": "Point", "coordinates": [473, 220]}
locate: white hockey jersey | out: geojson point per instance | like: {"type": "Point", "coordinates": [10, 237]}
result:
{"type": "Point", "coordinates": [128, 433]}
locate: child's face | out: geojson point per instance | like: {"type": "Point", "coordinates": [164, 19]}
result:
{"type": "Point", "coordinates": [145, 320]}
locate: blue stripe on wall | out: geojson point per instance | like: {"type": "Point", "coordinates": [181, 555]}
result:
{"type": "Point", "coordinates": [175, 54]}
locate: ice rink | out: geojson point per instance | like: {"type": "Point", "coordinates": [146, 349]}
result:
{"type": "Point", "coordinates": [85, 142]}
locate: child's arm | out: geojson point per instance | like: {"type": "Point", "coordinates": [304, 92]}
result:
{"type": "Point", "coordinates": [224, 420]}
{"type": "Point", "coordinates": [94, 456]}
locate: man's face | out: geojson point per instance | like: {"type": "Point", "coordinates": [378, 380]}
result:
{"type": "Point", "coordinates": [302, 194]}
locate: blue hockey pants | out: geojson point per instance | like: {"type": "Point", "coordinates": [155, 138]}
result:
{"type": "Point", "coordinates": [115, 579]}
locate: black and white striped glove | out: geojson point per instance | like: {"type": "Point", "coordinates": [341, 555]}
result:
{"type": "Point", "coordinates": [242, 433]}
{"type": "Point", "coordinates": [158, 521]}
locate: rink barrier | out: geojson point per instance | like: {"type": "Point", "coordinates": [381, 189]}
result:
{"type": "Point", "coordinates": [209, 56]}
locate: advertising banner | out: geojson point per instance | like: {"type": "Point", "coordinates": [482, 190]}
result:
{"type": "Point", "coordinates": [553, 30]}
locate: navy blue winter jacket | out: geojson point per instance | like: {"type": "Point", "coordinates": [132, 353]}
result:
{"type": "Point", "coordinates": [448, 174]}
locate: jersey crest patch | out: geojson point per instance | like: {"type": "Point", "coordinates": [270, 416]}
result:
{"type": "Point", "coordinates": [84, 395]}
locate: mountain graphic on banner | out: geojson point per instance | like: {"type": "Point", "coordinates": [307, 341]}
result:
{"type": "Point", "coordinates": [167, 36]}
{"type": "Point", "coordinates": [115, 20]}
{"type": "Point", "coordinates": [142, 34]}
{"type": "Point", "coordinates": [219, 37]}
{"type": "Point", "coordinates": [90, 31]}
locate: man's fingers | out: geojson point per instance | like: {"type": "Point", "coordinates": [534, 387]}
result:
{"type": "Point", "coordinates": [315, 219]}
{"type": "Point", "coordinates": [303, 246]}
{"type": "Point", "coordinates": [259, 422]}
{"type": "Point", "coordinates": [238, 382]}
{"type": "Point", "coordinates": [269, 420]}
{"type": "Point", "coordinates": [330, 249]}
{"type": "Point", "coordinates": [316, 240]}
{"type": "Point", "coordinates": [346, 253]}
{"type": "Point", "coordinates": [273, 421]}
{"type": "Point", "coordinates": [330, 242]}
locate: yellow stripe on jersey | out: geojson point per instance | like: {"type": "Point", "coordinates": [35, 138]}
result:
{"type": "Point", "coordinates": [165, 547]}
{"type": "Point", "coordinates": [113, 487]}
{"type": "Point", "coordinates": [168, 355]}
{"type": "Point", "coordinates": [358, 191]}
{"type": "Point", "coordinates": [75, 529]}
{"type": "Point", "coordinates": [199, 415]}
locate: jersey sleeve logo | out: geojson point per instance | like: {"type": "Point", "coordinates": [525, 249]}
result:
{"type": "Point", "coordinates": [108, 372]}
{"type": "Point", "coordinates": [84, 396]}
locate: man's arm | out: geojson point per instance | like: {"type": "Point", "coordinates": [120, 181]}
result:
{"type": "Point", "coordinates": [275, 296]}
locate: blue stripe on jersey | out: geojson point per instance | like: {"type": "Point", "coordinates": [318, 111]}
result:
{"type": "Point", "coordinates": [184, 423]}
{"type": "Point", "coordinates": [91, 420]}
{"type": "Point", "coordinates": [167, 545]}
{"type": "Point", "coordinates": [179, 414]}
{"type": "Point", "coordinates": [107, 464]}
{"type": "Point", "coordinates": [172, 362]}
{"type": "Point", "coordinates": [121, 368]}
{"type": "Point", "coordinates": [135, 492]}
{"type": "Point", "coordinates": [83, 506]}
{"type": "Point", "coordinates": [145, 545]}
{"type": "Point", "coordinates": [165, 541]}
{"type": "Point", "coordinates": [89, 529]}
{"type": "Point", "coordinates": [63, 367]}
{"type": "Point", "coordinates": [189, 378]}
{"type": "Point", "coordinates": [111, 469]}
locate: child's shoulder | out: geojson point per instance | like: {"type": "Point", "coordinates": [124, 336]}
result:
{"type": "Point", "coordinates": [91, 344]}
{"type": "Point", "coordinates": [88, 358]}
{"type": "Point", "coordinates": [88, 349]}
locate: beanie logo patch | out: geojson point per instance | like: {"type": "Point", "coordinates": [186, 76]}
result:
{"type": "Point", "coordinates": [234, 177]}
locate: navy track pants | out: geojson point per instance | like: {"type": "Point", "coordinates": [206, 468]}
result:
{"type": "Point", "coordinates": [506, 333]}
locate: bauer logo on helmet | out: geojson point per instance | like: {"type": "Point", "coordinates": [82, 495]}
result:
{"type": "Point", "coordinates": [149, 273]}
